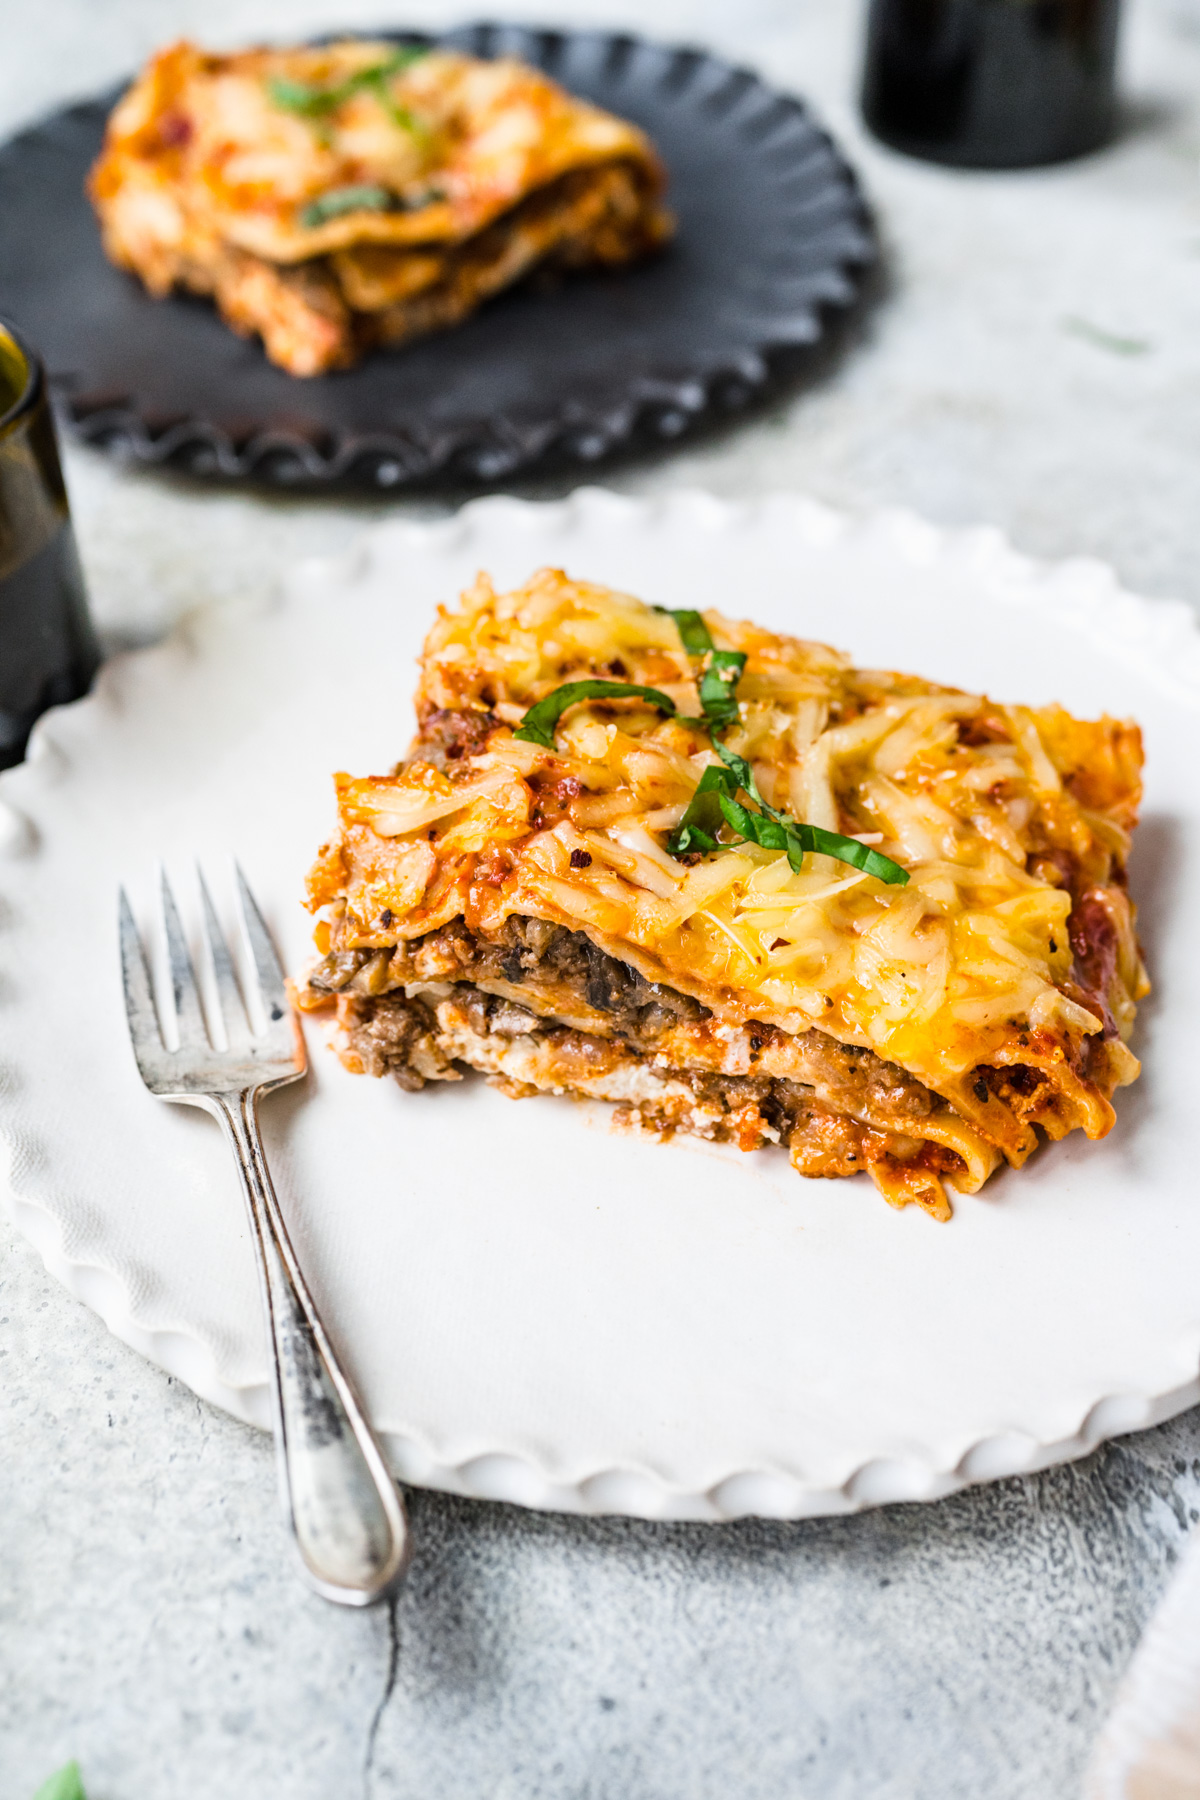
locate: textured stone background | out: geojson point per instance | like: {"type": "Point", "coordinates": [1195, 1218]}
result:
{"type": "Point", "coordinates": [1036, 365]}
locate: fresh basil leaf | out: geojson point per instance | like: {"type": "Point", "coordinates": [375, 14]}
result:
{"type": "Point", "coordinates": [688, 839]}
{"type": "Point", "coordinates": [741, 768]}
{"type": "Point", "coordinates": [755, 827]}
{"type": "Point", "coordinates": [775, 832]}
{"type": "Point", "coordinates": [401, 116]}
{"type": "Point", "coordinates": [67, 1784]}
{"type": "Point", "coordinates": [300, 97]}
{"type": "Point", "coordinates": [314, 102]}
{"type": "Point", "coordinates": [401, 58]}
{"type": "Point", "coordinates": [718, 789]}
{"type": "Point", "coordinates": [431, 196]}
{"type": "Point", "coordinates": [714, 801]}
{"type": "Point", "coordinates": [814, 838]}
{"type": "Point", "coordinates": [692, 630]}
{"type": "Point", "coordinates": [849, 850]}
{"type": "Point", "coordinates": [337, 201]}
{"type": "Point", "coordinates": [745, 775]}
{"type": "Point", "coordinates": [723, 671]}
{"type": "Point", "coordinates": [718, 686]}
{"type": "Point", "coordinates": [537, 727]}
{"type": "Point", "coordinates": [698, 828]}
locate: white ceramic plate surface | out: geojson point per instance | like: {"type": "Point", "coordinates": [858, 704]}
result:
{"type": "Point", "coordinates": [537, 1308]}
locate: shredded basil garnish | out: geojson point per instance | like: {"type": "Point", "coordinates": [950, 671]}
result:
{"type": "Point", "coordinates": [347, 200]}
{"type": "Point", "coordinates": [718, 686]}
{"type": "Point", "coordinates": [313, 102]}
{"type": "Point", "coordinates": [537, 727]}
{"type": "Point", "coordinates": [722, 672]}
{"type": "Point", "coordinates": [431, 196]}
{"type": "Point", "coordinates": [697, 640]}
{"type": "Point", "coordinates": [365, 198]}
{"type": "Point", "coordinates": [698, 828]}
{"type": "Point", "coordinates": [715, 800]}
{"type": "Point", "coordinates": [299, 97]}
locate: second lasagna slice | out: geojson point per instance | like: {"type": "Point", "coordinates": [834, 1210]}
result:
{"type": "Point", "coordinates": [741, 888]}
{"type": "Point", "coordinates": [338, 197]}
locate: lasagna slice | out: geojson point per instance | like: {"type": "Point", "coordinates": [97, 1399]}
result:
{"type": "Point", "coordinates": [364, 192]}
{"type": "Point", "coordinates": [741, 888]}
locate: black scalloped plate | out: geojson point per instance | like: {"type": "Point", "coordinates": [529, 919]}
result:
{"type": "Point", "coordinates": [773, 241]}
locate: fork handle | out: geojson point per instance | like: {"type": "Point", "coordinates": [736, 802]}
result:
{"type": "Point", "coordinates": [339, 1497]}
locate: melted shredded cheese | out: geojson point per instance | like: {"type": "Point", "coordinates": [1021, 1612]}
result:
{"type": "Point", "coordinates": [1004, 816]}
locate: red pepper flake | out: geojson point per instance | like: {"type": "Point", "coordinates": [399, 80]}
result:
{"type": "Point", "coordinates": [581, 859]}
{"type": "Point", "coordinates": [492, 866]}
{"type": "Point", "coordinates": [174, 131]}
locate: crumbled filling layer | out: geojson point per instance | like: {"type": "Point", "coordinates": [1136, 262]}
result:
{"type": "Point", "coordinates": [561, 975]}
{"type": "Point", "coordinates": [425, 1037]}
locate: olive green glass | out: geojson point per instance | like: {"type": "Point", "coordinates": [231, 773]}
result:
{"type": "Point", "coordinates": [48, 650]}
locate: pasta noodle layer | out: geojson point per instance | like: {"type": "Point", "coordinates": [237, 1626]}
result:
{"type": "Point", "coordinates": [363, 192]}
{"type": "Point", "coordinates": [527, 910]}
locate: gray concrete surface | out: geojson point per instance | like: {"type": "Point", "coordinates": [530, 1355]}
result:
{"type": "Point", "coordinates": [1036, 365]}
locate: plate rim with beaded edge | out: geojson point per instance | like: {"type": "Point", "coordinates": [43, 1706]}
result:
{"type": "Point", "coordinates": [540, 1309]}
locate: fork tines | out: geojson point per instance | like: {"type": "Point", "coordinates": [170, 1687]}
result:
{"type": "Point", "coordinates": [233, 999]}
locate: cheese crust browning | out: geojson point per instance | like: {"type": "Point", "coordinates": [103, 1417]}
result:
{"type": "Point", "coordinates": [363, 193]}
{"type": "Point", "coordinates": [515, 909]}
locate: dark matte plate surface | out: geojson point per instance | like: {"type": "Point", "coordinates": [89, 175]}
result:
{"type": "Point", "coordinates": [773, 236]}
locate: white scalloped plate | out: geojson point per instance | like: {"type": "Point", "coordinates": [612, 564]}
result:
{"type": "Point", "coordinates": [539, 1309]}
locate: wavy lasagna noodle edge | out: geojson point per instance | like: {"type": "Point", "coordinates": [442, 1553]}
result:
{"type": "Point", "coordinates": [495, 905]}
{"type": "Point", "coordinates": [336, 198]}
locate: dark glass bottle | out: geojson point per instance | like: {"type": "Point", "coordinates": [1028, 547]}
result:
{"type": "Point", "coordinates": [48, 650]}
{"type": "Point", "coordinates": [991, 84]}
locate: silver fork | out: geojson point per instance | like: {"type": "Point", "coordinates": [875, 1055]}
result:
{"type": "Point", "coordinates": [344, 1509]}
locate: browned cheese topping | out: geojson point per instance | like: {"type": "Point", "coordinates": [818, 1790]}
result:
{"type": "Point", "coordinates": [498, 905]}
{"type": "Point", "coordinates": [363, 193]}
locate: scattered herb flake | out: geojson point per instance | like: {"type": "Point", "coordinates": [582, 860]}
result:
{"type": "Point", "coordinates": [67, 1784]}
{"type": "Point", "coordinates": [1106, 340]}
